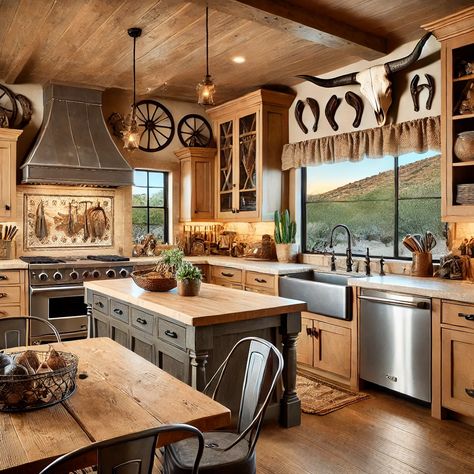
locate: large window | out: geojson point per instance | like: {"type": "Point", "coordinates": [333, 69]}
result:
{"type": "Point", "coordinates": [150, 204]}
{"type": "Point", "coordinates": [380, 200]}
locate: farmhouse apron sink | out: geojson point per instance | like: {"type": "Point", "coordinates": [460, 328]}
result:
{"type": "Point", "coordinates": [325, 293]}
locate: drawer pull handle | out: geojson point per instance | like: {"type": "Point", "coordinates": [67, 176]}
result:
{"type": "Point", "coordinates": [227, 274]}
{"type": "Point", "coordinates": [3, 277]}
{"type": "Point", "coordinates": [3, 295]}
{"type": "Point", "coordinates": [142, 321]}
{"type": "Point", "coordinates": [118, 311]}
{"type": "Point", "coordinates": [99, 304]}
{"type": "Point", "coordinates": [315, 333]}
{"type": "Point", "coordinates": [3, 312]}
{"type": "Point", "coordinates": [260, 280]}
{"type": "Point", "coordinates": [468, 317]}
{"type": "Point", "coordinates": [309, 331]}
{"type": "Point", "coordinates": [7, 207]}
{"type": "Point", "coordinates": [470, 392]}
{"type": "Point", "coordinates": [171, 334]}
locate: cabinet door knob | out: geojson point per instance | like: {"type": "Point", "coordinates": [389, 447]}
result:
{"type": "Point", "coordinates": [315, 333]}
{"type": "Point", "coordinates": [7, 207]}
{"type": "Point", "coordinates": [309, 331]}
{"type": "Point", "coordinates": [470, 392]}
{"type": "Point", "coordinates": [171, 334]}
{"type": "Point", "coordinates": [468, 317]}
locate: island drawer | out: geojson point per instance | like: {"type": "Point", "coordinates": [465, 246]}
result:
{"type": "Point", "coordinates": [172, 333]}
{"type": "Point", "coordinates": [142, 320]}
{"type": "Point", "coordinates": [458, 314]}
{"type": "Point", "coordinates": [100, 303]}
{"type": "Point", "coordinates": [119, 311]}
{"type": "Point", "coordinates": [9, 277]}
{"type": "Point", "coordinates": [10, 295]}
{"type": "Point", "coordinates": [227, 274]}
{"type": "Point", "coordinates": [260, 280]}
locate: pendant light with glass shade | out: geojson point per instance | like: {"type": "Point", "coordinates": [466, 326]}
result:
{"type": "Point", "coordinates": [206, 88]}
{"type": "Point", "coordinates": [131, 134]}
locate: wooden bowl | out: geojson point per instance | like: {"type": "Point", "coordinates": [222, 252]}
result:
{"type": "Point", "coordinates": [152, 284]}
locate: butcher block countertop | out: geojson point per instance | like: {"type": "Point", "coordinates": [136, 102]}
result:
{"type": "Point", "coordinates": [215, 304]}
{"type": "Point", "coordinates": [430, 287]}
{"type": "Point", "coordinates": [13, 264]}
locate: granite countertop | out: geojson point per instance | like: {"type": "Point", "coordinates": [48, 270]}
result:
{"type": "Point", "coordinates": [430, 287]}
{"type": "Point", "coordinates": [274, 268]}
{"type": "Point", "coordinates": [13, 264]}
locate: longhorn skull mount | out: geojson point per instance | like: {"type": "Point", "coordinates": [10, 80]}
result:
{"type": "Point", "coordinates": [374, 82]}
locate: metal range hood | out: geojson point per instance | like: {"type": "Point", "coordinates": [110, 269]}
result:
{"type": "Point", "coordinates": [74, 146]}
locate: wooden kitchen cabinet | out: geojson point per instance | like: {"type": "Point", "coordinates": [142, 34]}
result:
{"type": "Point", "coordinates": [457, 357]}
{"type": "Point", "coordinates": [119, 332]}
{"type": "Point", "coordinates": [456, 34]}
{"type": "Point", "coordinates": [324, 347]}
{"type": "Point", "coordinates": [251, 132]}
{"type": "Point", "coordinates": [197, 183]}
{"type": "Point", "coordinates": [8, 141]}
{"type": "Point", "coordinates": [13, 293]}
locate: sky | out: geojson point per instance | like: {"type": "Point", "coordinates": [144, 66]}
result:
{"type": "Point", "coordinates": [327, 177]}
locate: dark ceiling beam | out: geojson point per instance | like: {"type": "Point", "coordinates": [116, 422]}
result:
{"type": "Point", "coordinates": [306, 24]}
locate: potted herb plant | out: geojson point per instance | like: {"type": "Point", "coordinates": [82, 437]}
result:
{"type": "Point", "coordinates": [189, 279]}
{"type": "Point", "coordinates": [285, 232]}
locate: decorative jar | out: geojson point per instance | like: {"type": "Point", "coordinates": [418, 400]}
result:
{"type": "Point", "coordinates": [464, 146]}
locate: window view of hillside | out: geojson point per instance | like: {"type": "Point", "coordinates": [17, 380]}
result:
{"type": "Point", "coordinates": [380, 200]}
{"type": "Point", "coordinates": [149, 204]}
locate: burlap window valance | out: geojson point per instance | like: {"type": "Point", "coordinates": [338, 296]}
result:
{"type": "Point", "coordinates": [397, 139]}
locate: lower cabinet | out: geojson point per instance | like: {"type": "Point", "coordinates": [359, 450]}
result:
{"type": "Point", "coordinates": [100, 324]}
{"type": "Point", "coordinates": [457, 366]}
{"type": "Point", "coordinates": [325, 347]}
{"type": "Point", "coordinates": [120, 333]}
{"type": "Point", "coordinates": [172, 360]}
{"type": "Point", "coordinates": [244, 280]}
{"type": "Point", "coordinates": [142, 344]}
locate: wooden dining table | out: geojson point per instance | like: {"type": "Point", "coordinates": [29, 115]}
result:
{"type": "Point", "coordinates": [118, 392]}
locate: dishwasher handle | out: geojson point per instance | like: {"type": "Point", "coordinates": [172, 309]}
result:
{"type": "Point", "coordinates": [406, 304]}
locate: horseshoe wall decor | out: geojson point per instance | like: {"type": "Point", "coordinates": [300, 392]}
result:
{"type": "Point", "coordinates": [356, 103]}
{"type": "Point", "coordinates": [299, 116]}
{"type": "Point", "coordinates": [330, 111]}
{"type": "Point", "coordinates": [415, 90]}
{"type": "Point", "coordinates": [314, 106]}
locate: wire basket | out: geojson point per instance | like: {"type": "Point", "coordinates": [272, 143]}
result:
{"type": "Point", "coordinates": [152, 284]}
{"type": "Point", "coordinates": [31, 392]}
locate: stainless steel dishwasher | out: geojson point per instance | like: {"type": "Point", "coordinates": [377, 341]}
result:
{"type": "Point", "coordinates": [395, 342]}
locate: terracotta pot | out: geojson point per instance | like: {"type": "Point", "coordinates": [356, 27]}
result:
{"type": "Point", "coordinates": [287, 253]}
{"type": "Point", "coordinates": [464, 146]}
{"type": "Point", "coordinates": [189, 287]}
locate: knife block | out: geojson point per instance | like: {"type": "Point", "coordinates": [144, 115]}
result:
{"type": "Point", "coordinates": [422, 265]}
{"type": "Point", "coordinates": [6, 249]}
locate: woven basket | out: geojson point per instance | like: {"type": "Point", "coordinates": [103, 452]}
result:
{"type": "Point", "coordinates": [31, 392]}
{"type": "Point", "coordinates": [152, 284]}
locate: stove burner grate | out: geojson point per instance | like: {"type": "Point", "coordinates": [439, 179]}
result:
{"type": "Point", "coordinates": [41, 260]}
{"type": "Point", "coordinates": [108, 258]}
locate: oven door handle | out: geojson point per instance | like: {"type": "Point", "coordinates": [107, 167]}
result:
{"type": "Point", "coordinates": [55, 288]}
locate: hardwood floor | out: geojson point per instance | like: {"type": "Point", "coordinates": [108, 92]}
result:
{"type": "Point", "coordinates": [384, 434]}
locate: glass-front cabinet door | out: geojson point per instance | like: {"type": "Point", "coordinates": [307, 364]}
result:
{"type": "Point", "coordinates": [247, 165]}
{"type": "Point", "coordinates": [226, 166]}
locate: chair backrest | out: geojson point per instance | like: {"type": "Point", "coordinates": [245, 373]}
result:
{"type": "Point", "coordinates": [263, 368]}
{"type": "Point", "coordinates": [15, 331]}
{"type": "Point", "coordinates": [129, 454]}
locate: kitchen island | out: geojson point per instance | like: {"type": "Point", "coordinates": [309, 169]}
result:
{"type": "Point", "coordinates": [190, 336]}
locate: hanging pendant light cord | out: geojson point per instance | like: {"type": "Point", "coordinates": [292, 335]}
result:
{"type": "Point", "coordinates": [207, 41]}
{"type": "Point", "coordinates": [134, 96]}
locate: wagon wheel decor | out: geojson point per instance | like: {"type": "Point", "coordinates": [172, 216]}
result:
{"type": "Point", "coordinates": [194, 131]}
{"type": "Point", "coordinates": [157, 124]}
{"type": "Point", "coordinates": [8, 107]}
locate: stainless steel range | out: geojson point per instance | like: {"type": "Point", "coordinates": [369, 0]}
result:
{"type": "Point", "coordinates": [57, 290]}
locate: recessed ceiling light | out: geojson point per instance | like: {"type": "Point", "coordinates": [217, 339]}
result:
{"type": "Point", "coordinates": [238, 59]}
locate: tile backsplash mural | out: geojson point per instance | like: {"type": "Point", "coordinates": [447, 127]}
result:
{"type": "Point", "coordinates": [61, 221]}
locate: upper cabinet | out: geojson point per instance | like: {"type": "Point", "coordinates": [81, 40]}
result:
{"type": "Point", "coordinates": [8, 139]}
{"type": "Point", "coordinates": [250, 133]}
{"type": "Point", "coordinates": [197, 183]}
{"type": "Point", "coordinates": [456, 34]}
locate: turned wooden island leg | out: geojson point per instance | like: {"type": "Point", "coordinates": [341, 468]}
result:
{"type": "Point", "coordinates": [290, 404]}
{"type": "Point", "coordinates": [198, 369]}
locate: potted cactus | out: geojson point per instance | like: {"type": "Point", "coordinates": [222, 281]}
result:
{"type": "Point", "coordinates": [189, 279]}
{"type": "Point", "coordinates": [285, 232]}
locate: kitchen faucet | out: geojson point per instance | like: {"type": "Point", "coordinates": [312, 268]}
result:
{"type": "Point", "coordinates": [348, 250]}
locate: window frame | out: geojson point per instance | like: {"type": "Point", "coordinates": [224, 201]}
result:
{"type": "Point", "coordinates": [165, 206]}
{"type": "Point", "coordinates": [397, 199]}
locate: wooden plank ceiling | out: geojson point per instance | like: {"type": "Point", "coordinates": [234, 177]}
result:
{"type": "Point", "coordinates": [85, 41]}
